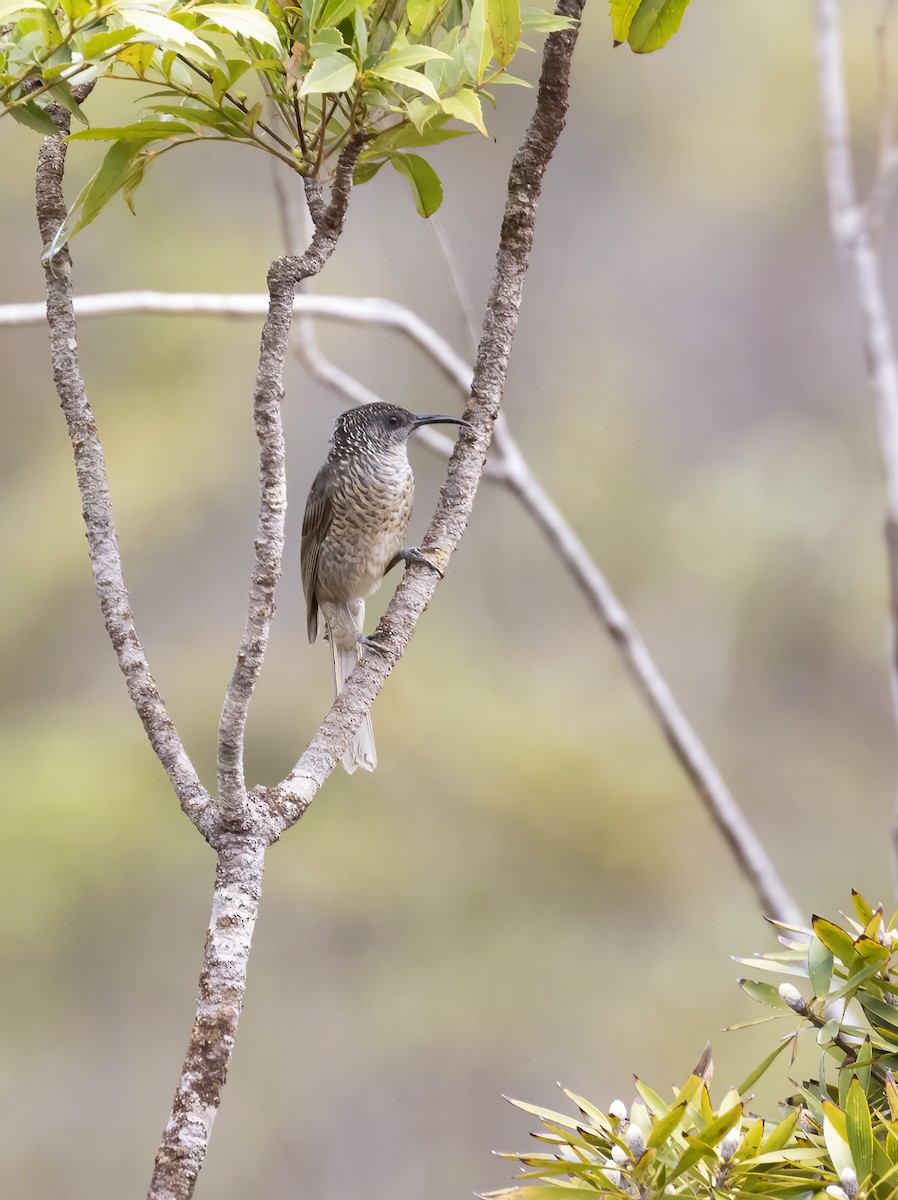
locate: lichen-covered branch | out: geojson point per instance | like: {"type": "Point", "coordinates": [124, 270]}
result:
{"type": "Point", "coordinates": [93, 485]}
{"type": "Point", "coordinates": [235, 903]}
{"type": "Point", "coordinates": [283, 276]}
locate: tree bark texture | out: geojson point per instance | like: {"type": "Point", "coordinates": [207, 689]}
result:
{"type": "Point", "coordinates": [93, 485]}
{"type": "Point", "coordinates": [235, 903]}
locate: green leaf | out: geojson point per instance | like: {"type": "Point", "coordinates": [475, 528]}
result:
{"type": "Point", "coordinates": [834, 939]}
{"type": "Point", "coordinates": [540, 21]}
{"type": "Point", "coordinates": [412, 79]}
{"type": "Point", "coordinates": [164, 32]}
{"type": "Point", "coordinates": [336, 11]}
{"type": "Point", "coordinates": [365, 170]}
{"type": "Point", "coordinates": [334, 73]}
{"type": "Point", "coordinates": [820, 966]}
{"type": "Point", "coordinates": [99, 43]}
{"type": "Point", "coordinates": [423, 179]}
{"type": "Point", "coordinates": [243, 20]}
{"type": "Point", "coordinates": [465, 106]}
{"type": "Point", "coordinates": [861, 907]}
{"type": "Point", "coordinates": [859, 1130]}
{"type": "Point", "coordinates": [764, 993]}
{"type": "Point", "coordinates": [410, 56]}
{"type": "Point", "coordinates": [750, 1080]}
{"type": "Point", "coordinates": [544, 1114]}
{"type": "Point", "coordinates": [622, 14]}
{"type": "Point", "coordinates": [653, 1102]}
{"type": "Point", "coordinates": [115, 171]}
{"type": "Point", "coordinates": [835, 1134]}
{"type": "Point", "coordinates": [781, 1133]}
{"type": "Point", "coordinates": [476, 46]}
{"type": "Point", "coordinates": [420, 13]}
{"type": "Point", "coordinates": [407, 137]}
{"type": "Point", "coordinates": [654, 23]}
{"type": "Point", "coordinates": [504, 20]}
{"type": "Point", "coordinates": [33, 116]}
{"type": "Point", "coordinates": [141, 131]}
{"type": "Point", "coordinates": [863, 1067]}
{"type": "Point", "coordinates": [9, 8]}
{"type": "Point", "coordinates": [664, 1127]}
{"type": "Point", "coordinates": [361, 34]}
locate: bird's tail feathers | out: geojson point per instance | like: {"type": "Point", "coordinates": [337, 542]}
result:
{"type": "Point", "coordinates": [361, 751]}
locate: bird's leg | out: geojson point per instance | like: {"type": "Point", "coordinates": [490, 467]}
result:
{"type": "Point", "coordinates": [413, 554]}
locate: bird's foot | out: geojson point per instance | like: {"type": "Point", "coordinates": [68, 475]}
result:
{"type": "Point", "coordinates": [414, 554]}
{"type": "Point", "coordinates": [369, 642]}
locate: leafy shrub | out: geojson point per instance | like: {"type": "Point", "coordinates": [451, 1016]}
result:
{"type": "Point", "coordinates": [839, 1135]}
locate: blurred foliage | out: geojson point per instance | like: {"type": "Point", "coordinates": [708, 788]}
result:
{"type": "Point", "coordinates": [840, 1133]}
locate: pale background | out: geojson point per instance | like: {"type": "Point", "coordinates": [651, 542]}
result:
{"type": "Point", "coordinates": [527, 890]}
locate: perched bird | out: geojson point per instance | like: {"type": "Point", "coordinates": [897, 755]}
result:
{"type": "Point", "coordinates": [353, 531]}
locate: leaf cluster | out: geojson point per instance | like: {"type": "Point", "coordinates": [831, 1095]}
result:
{"type": "Point", "coordinates": [297, 80]}
{"type": "Point", "coordinates": [839, 1136]}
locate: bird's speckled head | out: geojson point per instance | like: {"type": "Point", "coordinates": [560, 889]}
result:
{"type": "Point", "coordinates": [378, 429]}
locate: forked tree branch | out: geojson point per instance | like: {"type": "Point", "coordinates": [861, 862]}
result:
{"type": "Point", "coordinates": [852, 229]}
{"type": "Point", "coordinates": [289, 800]}
{"type": "Point", "coordinates": [283, 277]}
{"type": "Point", "coordinates": [93, 485]}
{"type": "Point", "coordinates": [510, 467]}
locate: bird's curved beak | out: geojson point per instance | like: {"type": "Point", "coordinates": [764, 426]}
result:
{"type": "Point", "coordinates": [419, 421]}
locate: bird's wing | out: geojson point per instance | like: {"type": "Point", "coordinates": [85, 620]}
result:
{"type": "Point", "coordinates": [315, 524]}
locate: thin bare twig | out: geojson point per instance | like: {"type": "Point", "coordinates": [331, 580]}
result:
{"type": "Point", "coordinates": [851, 231]}
{"type": "Point", "coordinates": [93, 484]}
{"type": "Point", "coordinates": [283, 276]}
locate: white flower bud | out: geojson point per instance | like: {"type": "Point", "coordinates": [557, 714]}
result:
{"type": "Point", "coordinates": [620, 1156]}
{"type": "Point", "coordinates": [836, 1192]}
{"type": "Point", "coordinates": [618, 1109]}
{"type": "Point", "coordinates": [635, 1139]}
{"type": "Point", "coordinates": [848, 1180]}
{"type": "Point", "coordinates": [613, 1177]}
{"type": "Point", "coordinates": [730, 1144]}
{"type": "Point", "coordinates": [792, 996]}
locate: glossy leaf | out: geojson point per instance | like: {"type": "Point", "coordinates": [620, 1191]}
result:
{"type": "Point", "coordinates": [538, 20]}
{"type": "Point", "coordinates": [331, 74]}
{"type": "Point", "coordinates": [764, 993]}
{"type": "Point", "coordinates": [859, 1129]}
{"type": "Point", "coordinates": [33, 117]}
{"type": "Point", "coordinates": [141, 131]}
{"type": "Point", "coordinates": [243, 20]}
{"type": "Point", "coordinates": [504, 21]}
{"type": "Point", "coordinates": [465, 106]}
{"type": "Point", "coordinates": [835, 939]}
{"type": "Point", "coordinates": [820, 966]}
{"type": "Point", "coordinates": [423, 180]}
{"type": "Point", "coordinates": [410, 79]}
{"type": "Point", "coordinates": [622, 14]}
{"type": "Point", "coordinates": [654, 23]}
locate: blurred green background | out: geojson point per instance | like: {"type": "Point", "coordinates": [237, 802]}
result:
{"type": "Point", "coordinates": [526, 890]}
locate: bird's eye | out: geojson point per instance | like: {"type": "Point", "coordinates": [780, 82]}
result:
{"type": "Point", "coordinates": [394, 420]}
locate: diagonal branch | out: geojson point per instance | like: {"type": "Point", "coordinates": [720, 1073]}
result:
{"type": "Point", "coordinates": [283, 277]}
{"type": "Point", "coordinates": [93, 485]}
{"type": "Point", "coordinates": [851, 222]}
